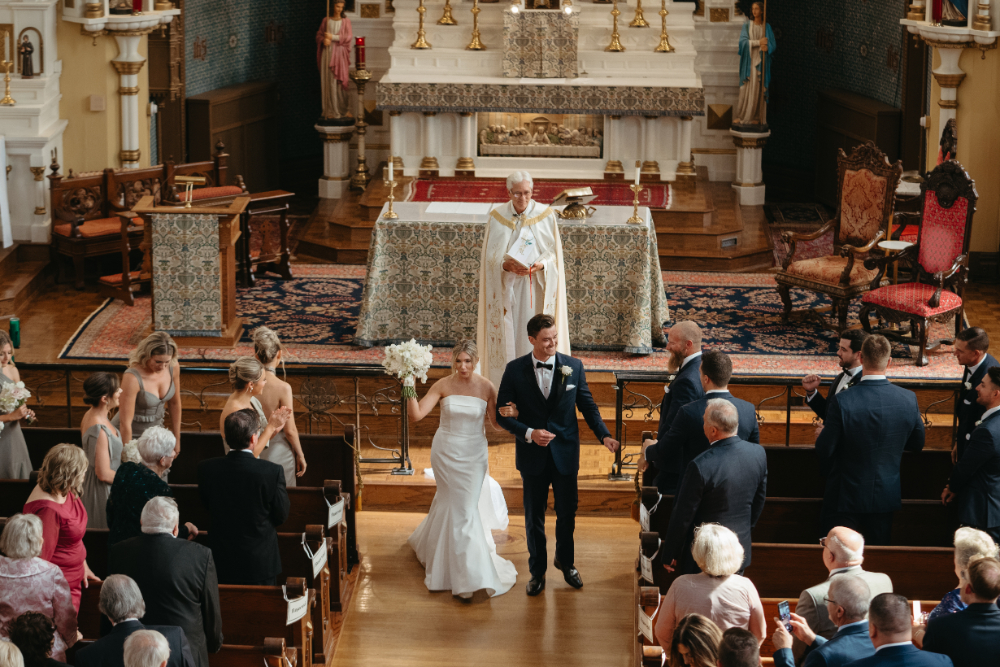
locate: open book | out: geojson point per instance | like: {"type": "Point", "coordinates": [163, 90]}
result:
{"type": "Point", "coordinates": [525, 249]}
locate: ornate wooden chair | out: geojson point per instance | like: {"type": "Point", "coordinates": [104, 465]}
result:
{"type": "Point", "coordinates": [123, 285]}
{"type": "Point", "coordinates": [940, 272]}
{"type": "Point", "coordinates": [867, 185]}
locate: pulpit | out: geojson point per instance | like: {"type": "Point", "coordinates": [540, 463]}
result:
{"type": "Point", "coordinates": [191, 255]}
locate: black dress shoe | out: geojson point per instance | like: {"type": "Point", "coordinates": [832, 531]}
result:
{"type": "Point", "coordinates": [535, 586]}
{"type": "Point", "coordinates": [570, 574]}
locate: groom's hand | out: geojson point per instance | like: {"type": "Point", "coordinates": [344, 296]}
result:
{"type": "Point", "coordinates": [611, 444]}
{"type": "Point", "coordinates": [542, 437]}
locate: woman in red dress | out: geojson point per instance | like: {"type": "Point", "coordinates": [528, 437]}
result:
{"type": "Point", "coordinates": [56, 501]}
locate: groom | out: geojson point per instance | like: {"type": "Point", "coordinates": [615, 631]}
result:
{"type": "Point", "coordinates": [547, 388]}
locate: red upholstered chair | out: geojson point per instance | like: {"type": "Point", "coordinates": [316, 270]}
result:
{"type": "Point", "coordinates": [867, 185]}
{"type": "Point", "coordinates": [940, 272]}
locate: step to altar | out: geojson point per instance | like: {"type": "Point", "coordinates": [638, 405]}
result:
{"type": "Point", "coordinates": [23, 270]}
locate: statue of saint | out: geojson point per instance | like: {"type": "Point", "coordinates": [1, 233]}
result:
{"type": "Point", "coordinates": [333, 55]}
{"type": "Point", "coordinates": [756, 39]}
{"type": "Point", "coordinates": [951, 12]}
{"type": "Point", "coordinates": [25, 49]}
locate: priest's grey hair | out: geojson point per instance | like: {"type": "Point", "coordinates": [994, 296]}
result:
{"type": "Point", "coordinates": [148, 648]}
{"type": "Point", "coordinates": [159, 515]}
{"type": "Point", "coordinates": [519, 177]}
{"type": "Point", "coordinates": [155, 443]}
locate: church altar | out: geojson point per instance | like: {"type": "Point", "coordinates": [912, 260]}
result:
{"type": "Point", "coordinates": [422, 279]}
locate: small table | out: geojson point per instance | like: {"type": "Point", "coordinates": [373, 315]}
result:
{"type": "Point", "coordinates": [893, 248]}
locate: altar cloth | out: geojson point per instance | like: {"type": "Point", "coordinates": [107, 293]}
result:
{"type": "Point", "coordinates": [422, 279]}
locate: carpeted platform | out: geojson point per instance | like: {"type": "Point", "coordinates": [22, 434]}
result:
{"type": "Point", "coordinates": [654, 195]}
{"type": "Point", "coordinates": [316, 314]}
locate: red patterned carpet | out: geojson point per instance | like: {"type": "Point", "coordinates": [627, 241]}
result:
{"type": "Point", "coordinates": [316, 315]}
{"type": "Point", "coordinates": [654, 195]}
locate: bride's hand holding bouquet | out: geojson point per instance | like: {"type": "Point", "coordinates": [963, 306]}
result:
{"type": "Point", "coordinates": [408, 361]}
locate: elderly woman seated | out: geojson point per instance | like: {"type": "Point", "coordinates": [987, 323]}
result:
{"type": "Point", "coordinates": [28, 583]}
{"type": "Point", "coordinates": [138, 482]}
{"type": "Point", "coordinates": [717, 592]}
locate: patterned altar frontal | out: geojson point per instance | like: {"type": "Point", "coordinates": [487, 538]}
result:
{"type": "Point", "coordinates": [423, 282]}
{"type": "Point", "coordinates": [187, 284]}
{"type": "Point", "coordinates": [540, 44]}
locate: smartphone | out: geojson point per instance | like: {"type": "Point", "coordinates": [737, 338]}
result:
{"type": "Point", "coordinates": [785, 614]}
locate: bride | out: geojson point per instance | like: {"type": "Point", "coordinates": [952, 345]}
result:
{"type": "Point", "coordinates": [453, 542]}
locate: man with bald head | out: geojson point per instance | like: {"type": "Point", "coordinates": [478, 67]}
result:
{"type": "Point", "coordinates": [843, 554]}
{"type": "Point", "coordinates": [684, 345]}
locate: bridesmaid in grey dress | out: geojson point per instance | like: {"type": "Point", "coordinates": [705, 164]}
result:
{"type": "Point", "coordinates": [14, 460]}
{"type": "Point", "coordinates": [103, 445]}
{"type": "Point", "coordinates": [149, 386]}
{"type": "Point", "coordinates": [284, 448]}
{"type": "Point", "coordinates": [248, 379]}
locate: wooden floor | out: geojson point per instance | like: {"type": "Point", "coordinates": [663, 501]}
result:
{"type": "Point", "coordinates": [394, 620]}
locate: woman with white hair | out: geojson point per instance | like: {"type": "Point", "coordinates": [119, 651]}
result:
{"type": "Point", "coordinates": [970, 545]}
{"type": "Point", "coordinates": [28, 583]}
{"type": "Point", "coordinates": [137, 483]}
{"type": "Point", "coordinates": [717, 592]}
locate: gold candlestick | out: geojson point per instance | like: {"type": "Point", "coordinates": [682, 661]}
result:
{"type": "Point", "coordinates": [475, 44]}
{"type": "Point", "coordinates": [390, 214]}
{"type": "Point", "coordinates": [639, 21]}
{"type": "Point", "coordinates": [447, 18]}
{"type": "Point", "coordinates": [616, 44]}
{"type": "Point", "coordinates": [421, 42]}
{"type": "Point", "coordinates": [7, 100]}
{"type": "Point", "coordinates": [664, 45]}
{"type": "Point", "coordinates": [361, 178]}
{"type": "Point", "coordinates": [635, 219]}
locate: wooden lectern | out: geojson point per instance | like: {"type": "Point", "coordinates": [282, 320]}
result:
{"type": "Point", "coordinates": [192, 260]}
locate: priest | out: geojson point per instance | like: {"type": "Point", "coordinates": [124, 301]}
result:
{"type": "Point", "coordinates": [511, 293]}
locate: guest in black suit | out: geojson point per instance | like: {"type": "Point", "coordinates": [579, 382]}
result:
{"type": "Point", "coordinates": [687, 433]}
{"type": "Point", "coordinates": [849, 353]}
{"type": "Point", "coordinates": [122, 603]}
{"type": "Point", "coordinates": [547, 389]}
{"type": "Point", "coordinates": [684, 345]}
{"type": "Point", "coordinates": [972, 351]}
{"type": "Point", "coordinates": [889, 624]}
{"type": "Point", "coordinates": [739, 648]}
{"type": "Point", "coordinates": [247, 500]}
{"type": "Point", "coordinates": [177, 578]}
{"type": "Point", "coordinates": [34, 634]}
{"type": "Point", "coordinates": [970, 637]}
{"type": "Point", "coordinates": [864, 434]}
{"type": "Point", "coordinates": [974, 486]}
{"type": "Point", "coordinates": [725, 485]}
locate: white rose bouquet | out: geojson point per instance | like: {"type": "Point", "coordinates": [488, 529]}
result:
{"type": "Point", "coordinates": [408, 361]}
{"type": "Point", "coordinates": [12, 396]}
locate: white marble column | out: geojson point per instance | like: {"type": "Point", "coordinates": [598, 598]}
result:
{"type": "Point", "coordinates": [336, 160]}
{"type": "Point", "coordinates": [431, 144]}
{"type": "Point", "coordinates": [38, 171]}
{"type": "Point", "coordinates": [949, 77]}
{"type": "Point", "coordinates": [685, 161]}
{"type": "Point", "coordinates": [649, 142]}
{"type": "Point", "coordinates": [466, 166]}
{"type": "Point", "coordinates": [749, 183]}
{"type": "Point", "coordinates": [396, 140]}
{"type": "Point", "coordinates": [612, 146]}
{"type": "Point", "coordinates": [128, 64]}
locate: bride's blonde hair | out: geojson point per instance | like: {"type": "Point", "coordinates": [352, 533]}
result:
{"type": "Point", "coordinates": [467, 346]}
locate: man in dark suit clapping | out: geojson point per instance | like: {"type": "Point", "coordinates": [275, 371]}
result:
{"type": "Point", "coordinates": [865, 432]}
{"type": "Point", "coordinates": [177, 578]}
{"type": "Point", "coordinates": [849, 354]}
{"type": "Point", "coordinates": [686, 438]}
{"type": "Point", "coordinates": [725, 484]}
{"type": "Point", "coordinates": [971, 351]}
{"type": "Point", "coordinates": [974, 486]}
{"type": "Point", "coordinates": [247, 500]}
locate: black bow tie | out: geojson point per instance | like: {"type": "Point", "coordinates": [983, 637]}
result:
{"type": "Point", "coordinates": [539, 364]}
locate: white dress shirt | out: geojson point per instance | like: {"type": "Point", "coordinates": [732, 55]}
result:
{"type": "Point", "coordinates": [971, 370]}
{"type": "Point", "coordinates": [543, 376]}
{"type": "Point", "coordinates": [989, 412]}
{"type": "Point", "coordinates": [890, 645]}
{"type": "Point", "coordinates": [865, 378]}
{"type": "Point", "coordinates": [690, 357]}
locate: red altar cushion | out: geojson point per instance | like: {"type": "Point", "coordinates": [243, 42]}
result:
{"type": "Point", "coordinates": [909, 233]}
{"type": "Point", "coordinates": [912, 298]}
{"type": "Point", "coordinates": [211, 193]}
{"type": "Point", "coordinates": [829, 269]}
{"type": "Point", "coordinates": [116, 279]}
{"type": "Point", "coordinates": [94, 228]}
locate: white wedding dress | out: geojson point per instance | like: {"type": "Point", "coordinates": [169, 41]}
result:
{"type": "Point", "coordinates": [453, 542]}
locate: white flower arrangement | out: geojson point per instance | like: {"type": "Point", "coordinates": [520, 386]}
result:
{"type": "Point", "coordinates": [968, 385]}
{"type": "Point", "coordinates": [408, 361]}
{"type": "Point", "coordinates": [566, 372]}
{"type": "Point", "coordinates": [12, 396]}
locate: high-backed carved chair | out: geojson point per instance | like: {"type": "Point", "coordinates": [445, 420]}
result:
{"type": "Point", "coordinates": [940, 272]}
{"type": "Point", "coordinates": [866, 186]}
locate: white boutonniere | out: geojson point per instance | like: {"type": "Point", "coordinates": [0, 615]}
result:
{"type": "Point", "coordinates": [968, 385]}
{"type": "Point", "coordinates": [566, 372]}
{"type": "Point", "coordinates": [979, 422]}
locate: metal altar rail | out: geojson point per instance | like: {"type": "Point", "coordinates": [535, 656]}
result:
{"type": "Point", "coordinates": [318, 394]}
{"type": "Point", "coordinates": [627, 402]}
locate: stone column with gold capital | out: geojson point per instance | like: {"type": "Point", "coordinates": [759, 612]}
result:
{"type": "Point", "coordinates": [685, 160]}
{"type": "Point", "coordinates": [128, 64]}
{"type": "Point", "coordinates": [336, 160]}
{"type": "Point", "coordinates": [429, 165]}
{"type": "Point", "coordinates": [749, 183]}
{"type": "Point", "coordinates": [466, 166]}
{"type": "Point", "coordinates": [949, 77]}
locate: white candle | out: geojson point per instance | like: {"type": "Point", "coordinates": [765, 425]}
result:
{"type": "Point", "coordinates": [390, 168]}
{"type": "Point", "coordinates": [637, 172]}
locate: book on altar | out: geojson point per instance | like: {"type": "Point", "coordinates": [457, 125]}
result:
{"type": "Point", "coordinates": [525, 249]}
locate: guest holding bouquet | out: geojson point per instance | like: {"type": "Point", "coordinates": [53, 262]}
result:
{"type": "Point", "coordinates": [14, 460]}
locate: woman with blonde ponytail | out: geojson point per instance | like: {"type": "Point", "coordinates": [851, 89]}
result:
{"type": "Point", "coordinates": [284, 448]}
{"type": "Point", "coordinates": [248, 379]}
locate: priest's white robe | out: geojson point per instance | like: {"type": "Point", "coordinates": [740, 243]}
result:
{"type": "Point", "coordinates": [507, 301]}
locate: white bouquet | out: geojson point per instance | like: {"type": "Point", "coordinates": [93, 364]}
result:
{"type": "Point", "coordinates": [408, 361]}
{"type": "Point", "coordinates": [12, 396]}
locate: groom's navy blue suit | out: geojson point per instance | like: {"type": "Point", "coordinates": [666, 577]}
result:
{"type": "Point", "coordinates": [556, 464]}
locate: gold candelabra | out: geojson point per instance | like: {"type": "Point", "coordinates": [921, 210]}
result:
{"type": "Point", "coordinates": [360, 178]}
{"type": "Point", "coordinates": [7, 100]}
{"type": "Point", "coordinates": [447, 18]}
{"type": "Point", "coordinates": [475, 44]}
{"type": "Point", "coordinates": [635, 219]}
{"type": "Point", "coordinates": [390, 214]}
{"type": "Point", "coordinates": [638, 21]}
{"type": "Point", "coordinates": [421, 42]}
{"type": "Point", "coordinates": [616, 44]}
{"type": "Point", "coordinates": [188, 194]}
{"type": "Point", "coordinates": [664, 45]}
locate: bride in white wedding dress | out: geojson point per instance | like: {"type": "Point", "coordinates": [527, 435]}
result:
{"type": "Point", "coordinates": [453, 542]}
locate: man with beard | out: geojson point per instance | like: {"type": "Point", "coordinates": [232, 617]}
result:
{"type": "Point", "coordinates": [849, 353]}
{"type": "Point", "coordinates": [972, 347]}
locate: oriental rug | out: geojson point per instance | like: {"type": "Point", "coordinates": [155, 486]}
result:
{"type": "Point", "coordinates": [654, 195]}
{"type": "Point", "coordinates": [316, 314]}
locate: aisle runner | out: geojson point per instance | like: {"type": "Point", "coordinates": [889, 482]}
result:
{"type": "Point", "coordinates": [316, 315]}
{"type": "Point", "coordinates": [654, 195]}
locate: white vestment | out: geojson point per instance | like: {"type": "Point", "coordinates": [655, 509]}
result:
{"type": "Point", "coordinates": [507, 301]}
